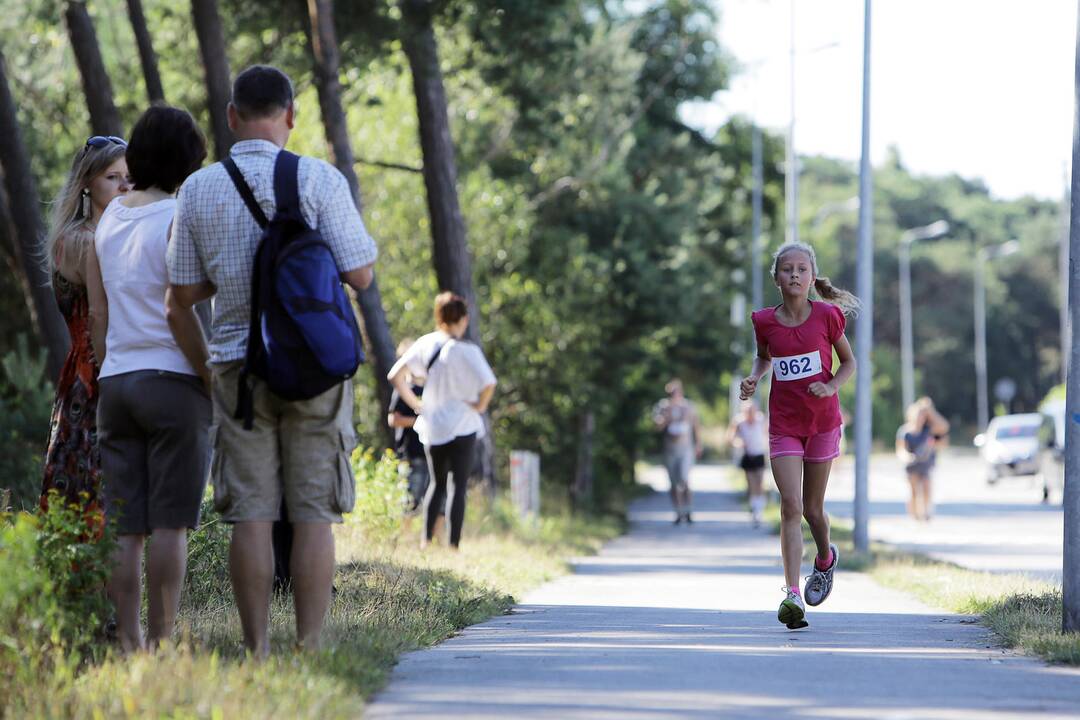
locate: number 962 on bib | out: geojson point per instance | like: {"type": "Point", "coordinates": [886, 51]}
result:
{"type": "Point", "coordinates": [796, 367]}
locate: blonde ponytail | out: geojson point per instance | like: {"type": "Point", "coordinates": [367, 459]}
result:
{"type": "Point", "coordinates": [846, 301]}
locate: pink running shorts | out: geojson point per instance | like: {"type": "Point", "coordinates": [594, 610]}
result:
{"type": "Point", "coordinates": [814, 448]}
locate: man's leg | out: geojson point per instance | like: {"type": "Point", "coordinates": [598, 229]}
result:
{"type": "Point", "coordinates": [246, 474]}
{"type": "Point", "coordinates": [687, 496]}
{"type": "Point", "coordinates": [312, 579]}
{"type": "Point", "coordinates": [164, 580]}
{"type": "Point", "coordinates": [251, 567]}
{"type": "Point", "coordinates": [671, 464]}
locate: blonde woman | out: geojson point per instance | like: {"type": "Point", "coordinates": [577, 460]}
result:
{"type": "Point", "coordinates": [98, 174]}
{"type": "Point", "coordinates": [917, 442]}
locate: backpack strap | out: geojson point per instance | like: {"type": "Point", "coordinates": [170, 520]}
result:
{"type": "Point", "coordinates": [287, 185]}
{"type": "Point", "coordinates": [245, 401]}
{"type": "Point", "coordinates": [435, 356]}
{"type": "Point", "coordinates": [245, 192]}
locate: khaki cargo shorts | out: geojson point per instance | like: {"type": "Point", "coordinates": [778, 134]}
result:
{"type": "Point", "coordinates": [296, 450]}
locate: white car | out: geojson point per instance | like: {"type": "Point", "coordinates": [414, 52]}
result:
{"type": "Point", "coordinates": [1011, 446]}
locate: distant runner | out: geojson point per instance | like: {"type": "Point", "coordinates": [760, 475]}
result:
{"type": "Point", "coordinates": [676, 417]}
{"type": "Point", "coordinates": [796, 340]}
{"type": "Point", "coordinates": [749, 433]}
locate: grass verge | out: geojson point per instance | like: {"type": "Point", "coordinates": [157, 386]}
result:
{"type": "Point", "coordinates": [390, 598]}
{"type": "Point", "coordinates": [1023, 612]}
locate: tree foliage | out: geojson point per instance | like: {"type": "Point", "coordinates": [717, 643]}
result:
{"type": "Point", "coordinates": [608, 238]}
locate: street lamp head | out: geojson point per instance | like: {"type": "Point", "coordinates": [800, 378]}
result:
{"type": "Point", "coordinates": [991, 252]}
{"type": "Point", "coordinates": [933, 231]}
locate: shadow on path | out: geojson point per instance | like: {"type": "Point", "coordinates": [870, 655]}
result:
{"type": "Point", "coordinates": [680, 622]}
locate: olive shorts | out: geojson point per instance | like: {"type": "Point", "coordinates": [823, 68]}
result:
{"type": "Point", "coordinates": [297, 450]}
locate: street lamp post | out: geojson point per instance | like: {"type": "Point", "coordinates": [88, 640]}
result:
{"type": "Point", "coordinates": [982, 256]}
{"type": "Point", "coordinates": [791, 172]}
{"type": "Point", "coordinates": [864, 328]}
{"type": "Point", "coordinates": [907, 343]}
{"type": "Point", "coordinates": [756, 284]}
{"type": "Point", "coordinates": [1070, 566]}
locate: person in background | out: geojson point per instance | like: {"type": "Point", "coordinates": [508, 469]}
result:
{"type": "Point", "coordinates": [154, 411]}
{"type": "Point", "coordinates": [676, 418]}
{"type": "Point", "coordinates": [72, 467]}
{"type": "Point", "coordinates": [917, 443]}
{"type": "Point", "coordinates": [458, 386]}
{"type": "Point", "coordinates": [406, 442]}
{"type": "Point", "coordinates": [299, 450]}
{"type": "Point", "coordinates": [749, 433]}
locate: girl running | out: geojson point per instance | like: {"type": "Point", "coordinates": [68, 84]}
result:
{"type": "Point", "coordinates": [796, 340]}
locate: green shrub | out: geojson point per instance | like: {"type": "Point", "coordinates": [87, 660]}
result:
{"type": "Point", "coordinates": [53, 606]}
{"type": "Point", "coordinates": [381, 495]}
{"type": "Point", "coordinates": [26, 399]}
{"type": "Point", "coordinates": [29, 613]}
{"type": "Point", "coordinates": [75, 553]}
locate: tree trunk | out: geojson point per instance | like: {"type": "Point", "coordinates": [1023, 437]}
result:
{"type": "Point", "coordinates": [147, 56]}
{"type": "Point", "coordinates": [218, 87]}
{"type": "Point", "coordinates": [380, 346]}
{"type": "Point", "coordinates": [582, 491]}
{"type": "Point", "coordinates": [453, 264]}
{"type": "Point", "coordinates": [9, 239]}
{"type": "Point", "coordinates": [104, 117]}
{"type": "Point", "coordinates": [322, 41]}
{"type": "Point", "coordinates": [24, 205]}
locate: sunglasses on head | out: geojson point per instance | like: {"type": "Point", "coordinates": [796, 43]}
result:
{"type": "Point", "coordinates": [100, 141]}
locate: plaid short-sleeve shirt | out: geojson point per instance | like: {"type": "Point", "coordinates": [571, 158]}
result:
{"type": "Point", "coordinates": [214, 236]}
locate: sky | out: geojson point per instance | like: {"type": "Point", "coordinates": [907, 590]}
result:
{"type": "Point", "coordinates": [981, 88]}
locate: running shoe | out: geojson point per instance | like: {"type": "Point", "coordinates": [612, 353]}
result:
{"type": "Point", "coordinates": [819, 582]}
{"type": "Point", "coordinates": [792, 612]}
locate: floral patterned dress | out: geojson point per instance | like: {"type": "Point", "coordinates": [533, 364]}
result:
{"type": "Point", "coordinates": [72, 462]}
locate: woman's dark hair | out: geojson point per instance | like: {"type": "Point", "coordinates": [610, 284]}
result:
{"type": "Point", "coordinates": [166, 146]}
{"type": "Point", "coordinates": [449, 308]}
{"type": "Point", "coordinates": [261, 91]}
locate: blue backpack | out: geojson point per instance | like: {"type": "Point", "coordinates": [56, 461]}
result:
{"type": "Point", "coordinates": [303, 338]}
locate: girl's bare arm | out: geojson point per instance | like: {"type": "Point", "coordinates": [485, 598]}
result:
{"type": "Point", "coordinates": [843, 373]}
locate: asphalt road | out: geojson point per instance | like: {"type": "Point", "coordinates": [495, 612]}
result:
{"type": "Point", "coordinates": [1003, 528]}
{"type": "Point", "coordinates": [681, 622]}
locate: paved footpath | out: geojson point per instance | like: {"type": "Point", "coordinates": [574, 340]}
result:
{"type": "Point", "coordinates": [681, 622]}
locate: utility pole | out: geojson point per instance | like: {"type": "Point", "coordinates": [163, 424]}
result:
{"type": "Point", "coordinates": [1070, 576]}
{"type": "Point", "coordinates": [864, 324]}
{"type": "Point", "coordinates": [791, 172]}
{"type": "Point", "coordinates": [907, 341]}
{"type": "Point", "coordinates": [1064, 327]}
{"type": "Point", "coordinates": [756, 289]}
{"type": "Point", "coordinates": [984, 255]}
{"type": "Point", "coordinates": [982, 409]}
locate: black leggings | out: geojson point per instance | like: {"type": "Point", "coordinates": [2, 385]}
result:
{"type": "Point", "coordinates": [455, 457]}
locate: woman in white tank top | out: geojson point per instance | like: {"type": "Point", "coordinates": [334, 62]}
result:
{"type": "Point", "coordinates": [154, 410]}
{"type": "Point", "coordinates": [749, 434]}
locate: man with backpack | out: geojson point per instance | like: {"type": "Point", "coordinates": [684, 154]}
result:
{"type": "Point", "coordinates": [271, 237]}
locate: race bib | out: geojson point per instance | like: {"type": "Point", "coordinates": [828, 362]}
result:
{"type": "Point", "coordinates": [796, 367]}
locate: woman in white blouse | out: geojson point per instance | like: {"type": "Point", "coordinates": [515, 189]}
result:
{"type": "Point", "coordinates": [459, 385]}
